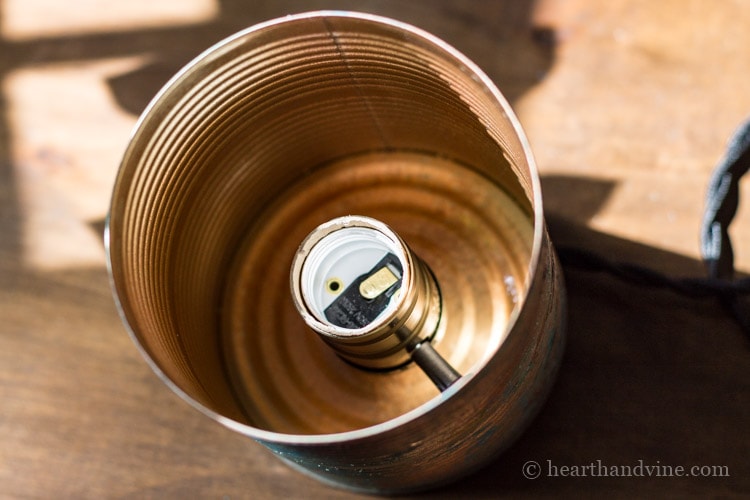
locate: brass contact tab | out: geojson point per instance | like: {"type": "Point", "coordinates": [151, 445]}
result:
{"type": "Point", "coordinates": [378, 283]}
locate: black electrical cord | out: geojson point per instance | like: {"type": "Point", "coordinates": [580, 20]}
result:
{"type": "Point", "coordinates": [721, 205]}
{"type": "Point", "coordinates": [716, 248]}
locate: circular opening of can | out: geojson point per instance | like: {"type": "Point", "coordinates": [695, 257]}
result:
{"type": "Point", "coordinates": [265, 137]}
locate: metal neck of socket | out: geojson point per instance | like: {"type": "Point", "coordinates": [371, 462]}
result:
{"type": "Point", "coordinates": [364, 292]}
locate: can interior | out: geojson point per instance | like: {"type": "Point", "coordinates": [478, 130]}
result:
{"type": "Point", "coordinates": [270, 134]}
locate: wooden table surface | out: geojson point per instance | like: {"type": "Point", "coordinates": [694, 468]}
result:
{"type": "Point", "coordinates": [628, 105]}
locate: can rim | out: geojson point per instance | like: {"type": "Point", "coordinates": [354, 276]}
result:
{"type": "Point", "coordinates": [396, 422]}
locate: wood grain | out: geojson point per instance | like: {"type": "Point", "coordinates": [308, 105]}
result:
{"type": "Point", "coordinates": [628, 105]}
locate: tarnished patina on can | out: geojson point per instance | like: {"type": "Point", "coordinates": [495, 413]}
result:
{"type": "Point", "coordinates": [295, 122]}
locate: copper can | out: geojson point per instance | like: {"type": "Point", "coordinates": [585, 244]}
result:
{"type": "Point", "coordinates": [295, 122]}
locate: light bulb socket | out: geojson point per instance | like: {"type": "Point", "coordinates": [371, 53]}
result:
{"type": "Point", "coordinates": [343, 246]}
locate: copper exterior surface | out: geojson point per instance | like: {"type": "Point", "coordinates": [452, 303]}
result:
{"type": "Point", "coordinates": [295, 122]}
